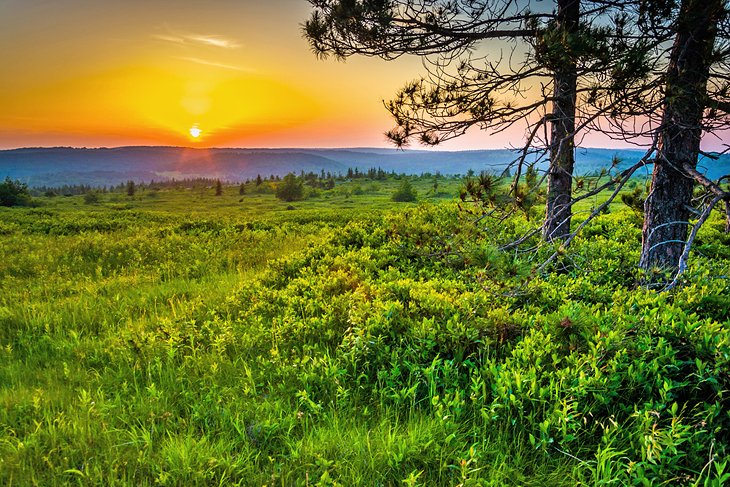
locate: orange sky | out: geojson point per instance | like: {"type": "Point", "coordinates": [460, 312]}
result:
{"type": "Point", "coordinates": [144, 72]}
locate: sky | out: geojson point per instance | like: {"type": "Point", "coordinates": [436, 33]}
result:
{"type": "Point", "coordinates": [108, 73]}
{"type": "Point", "coordinates": [234, 73]}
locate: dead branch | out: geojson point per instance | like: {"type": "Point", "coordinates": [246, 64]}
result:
{"type": "Point", "coordinates": [688, 246]}
{"type": "Point", "coordinates": [626, 175]}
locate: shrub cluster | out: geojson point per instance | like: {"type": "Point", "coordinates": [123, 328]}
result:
{"type": "Point", "coordinates": [577, 363]}
{"type": "Point", "coordinates": [398, 348]}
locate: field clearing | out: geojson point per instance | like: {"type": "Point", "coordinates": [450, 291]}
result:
{"type": "Point", "coordinates": [180, 338]}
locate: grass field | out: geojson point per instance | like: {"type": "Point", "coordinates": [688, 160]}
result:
{"type": "Point", "coordinates": [180, 338]}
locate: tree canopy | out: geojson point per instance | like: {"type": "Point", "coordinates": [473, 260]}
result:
{"type": "Point", "coordinates": [649, 72]}
{"type": "Point", "coordinates": [493, 64]}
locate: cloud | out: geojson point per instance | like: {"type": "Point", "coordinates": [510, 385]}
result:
{"type": "Point", "coordinates": [215, 64]}
{"type": "Point", "coordinates": [169, 38]}
{"type": "Point", "coordinates": [216, 41]}
{"type": "Point", "coordinates": [198, 39]}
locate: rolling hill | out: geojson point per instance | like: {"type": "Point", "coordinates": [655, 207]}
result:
{"type": "Point", "coordinates": [106, 166]}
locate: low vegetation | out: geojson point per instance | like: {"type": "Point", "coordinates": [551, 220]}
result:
{"type": "Point", "coordinates": [188, 339]}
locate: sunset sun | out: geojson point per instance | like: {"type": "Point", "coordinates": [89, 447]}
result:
{"type": "Point", "coordinates": [195, 131]}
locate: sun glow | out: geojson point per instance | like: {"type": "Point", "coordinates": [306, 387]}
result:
{"type": "Point", "coordinates": [195, 131]}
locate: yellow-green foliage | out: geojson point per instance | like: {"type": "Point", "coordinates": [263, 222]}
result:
{"type": "Point", "coordinates": [194, 340]}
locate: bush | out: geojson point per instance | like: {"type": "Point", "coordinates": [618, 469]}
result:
{"type": "Point", "coordinates": [291, 188]}
{"type": "Point", "coordinates": [405, 192]}
{"type": "Point", "coordinates": [92, 198]}
{"type": "Point", "coordinates": [14, 193]}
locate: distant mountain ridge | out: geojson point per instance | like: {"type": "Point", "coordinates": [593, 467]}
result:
{"type": "Point", "coordinates": [57, 166]}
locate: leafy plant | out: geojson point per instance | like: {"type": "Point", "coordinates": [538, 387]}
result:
{"type": "Point", "coordinates": [146, 343]}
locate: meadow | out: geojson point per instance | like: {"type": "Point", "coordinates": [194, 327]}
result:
{"type": "Point", "coordinates": [175, 337]}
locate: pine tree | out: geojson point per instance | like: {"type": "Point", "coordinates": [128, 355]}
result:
{"type": "Point", "coordinates": [568, 51]}
{"type": "Point", "coordinates": [405, 192]}
{"type": "Point", "coordinates": [290, 189]}
{"type": "Point", "coordinates": [14, 193]}
{"type": "Point", "coordinates": [685, 117]}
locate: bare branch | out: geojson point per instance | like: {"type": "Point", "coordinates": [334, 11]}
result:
{"type": "Point", "coordinates": [682, 266]}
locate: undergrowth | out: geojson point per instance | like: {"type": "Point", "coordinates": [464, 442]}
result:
{"type": "Point", "coordinates": [402, 349]}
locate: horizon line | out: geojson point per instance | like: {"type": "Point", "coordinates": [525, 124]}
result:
{"type": "Point", "coordinates": [292, 148]}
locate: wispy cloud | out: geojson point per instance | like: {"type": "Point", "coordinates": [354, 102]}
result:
{"type": "Point", "coordinates": [198, 48]}
{"type": "Point", "coordinates": [169, 38]}
{"type": "Point", "coordinates": [216, 41]}
{"type": "Point", "coordinates": [215, 64]}
{"type": "Point", "coordinates": [198, 39]}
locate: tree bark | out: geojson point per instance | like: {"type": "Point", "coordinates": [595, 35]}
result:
{"type": "Point", "coordinates": [666, 210]}
{"type": "Point", "coordinates": [562, 154]}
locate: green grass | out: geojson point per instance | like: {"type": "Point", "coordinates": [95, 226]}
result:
{"type": "Point", "coordinates": [188, 339]}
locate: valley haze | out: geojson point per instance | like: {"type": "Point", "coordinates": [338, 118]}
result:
{"type": "Point", "coordinates": [56, 166]}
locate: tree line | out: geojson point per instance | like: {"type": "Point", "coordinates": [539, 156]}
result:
{"type": "Point", "coordinates": [289, 188]}
{"type": "Point", "coordinates": [650, 72]}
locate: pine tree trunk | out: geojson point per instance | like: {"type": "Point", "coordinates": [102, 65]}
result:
{"type": "Point", "coordinates": [562, 154]}
{"type": "Point", "coordinates": [667, 206]}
